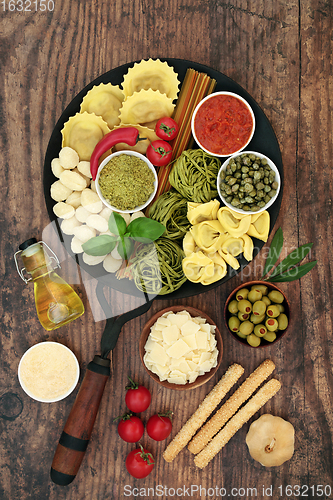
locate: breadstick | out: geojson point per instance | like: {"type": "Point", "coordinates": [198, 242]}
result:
{"type": "Point", "coordinates": [204, 410]}
{"type": "Point", "coordinates": [236, 422]}
{"type": "Point", "coordinates": [231, 406]}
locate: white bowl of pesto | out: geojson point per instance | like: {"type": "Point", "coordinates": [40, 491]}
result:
{"type": "Point", "coordinates": [126, 181]}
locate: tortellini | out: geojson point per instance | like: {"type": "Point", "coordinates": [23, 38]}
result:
{"type": "Point", "coordinates": [217, 237]}
{"type": "Point", "coordinates": [104, 100]}
{"type": "Point", "coordinates": [151, 74]}
{"type": "Point", "coordinates": [146, 108]}
{"type": "Point", "coordinates": [82, 132]}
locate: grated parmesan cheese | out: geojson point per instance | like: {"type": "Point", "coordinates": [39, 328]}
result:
{"type": "Point", "coordinates": [48, 371]}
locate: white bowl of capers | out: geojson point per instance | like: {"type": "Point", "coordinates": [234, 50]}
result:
{"type": "Point", "coordinates": [248, 182]}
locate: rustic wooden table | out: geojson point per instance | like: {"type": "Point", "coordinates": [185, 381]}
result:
{"type": "Point", "coordinates": [281, 53]}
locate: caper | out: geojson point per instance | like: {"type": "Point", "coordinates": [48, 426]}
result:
{"type": "Point", "coordinates": [233, 307]}
{"type": "Point", "coordinates": [282, 321]}
{"type": "Point", "coordinates": [275, 185]}
{"type": "Point", "coordinates": [232, 181]}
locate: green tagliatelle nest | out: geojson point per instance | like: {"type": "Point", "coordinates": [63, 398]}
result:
{"type": "Point", "coordinates": [194, 175]}
{"type": "Point", "coordinates": [162, 275]}
{"type": "Point", "coordinates": [170, 209]}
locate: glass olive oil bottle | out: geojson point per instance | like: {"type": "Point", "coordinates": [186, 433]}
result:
{"type": "Point", "coordinates": [56, 301]}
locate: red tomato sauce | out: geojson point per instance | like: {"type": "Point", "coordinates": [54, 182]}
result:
{"type": "Point", "coordinates": [223, 124]}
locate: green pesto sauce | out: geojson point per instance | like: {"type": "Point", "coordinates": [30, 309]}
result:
{"type": "Point", "coordinates": [126, 182]}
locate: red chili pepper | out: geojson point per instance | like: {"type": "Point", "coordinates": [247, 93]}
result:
{"type": "Point", "coordinates": [129, 135]}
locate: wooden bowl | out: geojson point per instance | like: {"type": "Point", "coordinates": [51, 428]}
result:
{"type": "Point", "coordinates": [227, 314]}
{"type": "Point", "coordinates": [202, 379]}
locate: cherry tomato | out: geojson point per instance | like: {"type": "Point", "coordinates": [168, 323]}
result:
{"type": "Point", "coordinates": [166, 128]}
{"type": "Point", "coordinates": [130, 428]}
{"type": "Point", "coordinates": [159, 153]}
{"type": "Point", "coordinates": [137, 397]}
{"type": "Point", "coordinates": [139, 463]}
{"type": "Point", "coordinates": [159, 426]}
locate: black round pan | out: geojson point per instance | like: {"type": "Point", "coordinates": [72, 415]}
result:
{"type": "Point", "coordinates": [263, 141]}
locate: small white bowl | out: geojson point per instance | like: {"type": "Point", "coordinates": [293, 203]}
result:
{"type": "Point", "coordinates": [129, 153]}
{"type": "Point", "coordinates": [272, 166]}
{"type": "Point", "coordinates": [212, 96]}
{"type": "Point", "coordinates": [37, 376]}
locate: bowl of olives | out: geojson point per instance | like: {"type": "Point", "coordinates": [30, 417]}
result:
{"type": "Point", "coordinates": [257, 313]}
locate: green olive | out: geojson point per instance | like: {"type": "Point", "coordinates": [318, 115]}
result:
{"type": "Point", "coordinates": [254, 296]}
{"type": "Point", "coordinates": [242, 294]}
{"type": "Point", "coordinates": [282, 321]}
{"type": "Point", "coordinates": [243, 316]}
{"type": "Point", "coordinates": [276, 296]}
{"type": "Point", "coordinates": [265, 299]}
{"type": "Point", "coordinates": [257, 319]}
{"type": "Point", "coordinates": [246, 327]}
{"type": "Point", "coordinates": [261, 288]}
{"type": "Point", "coordinates": [233, 307]}
{"type": "Point", "coordinates": [241, 335]}
{"type": "Point", "coordinates": [234, 323]}
{"type": "Point", "coordinates": [271, 324]}
{"type": "Point", "coordinates": [272, 311]}
{"type": "Point", "coordinates": [245, 306]}
{"type": "Point", "coordinates": [253, 340]}
{"type": "Point", "coordinates": [280, 307]}
{"type": "Point", "coordinates": [259, 308]}
{"type": "Point", "coordinates": [270, 336]}
{"type": "Point", "coordinates": [260, 330]}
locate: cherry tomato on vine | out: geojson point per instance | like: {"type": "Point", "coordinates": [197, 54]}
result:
{"type": "Point", "coordinates": [130, 428]}
{"type": "Point", "coordinates": [139, 463]}
{"type": "Point", "coordinates": [159, 426]}
{"type": "Point", "coordinates": [137, 397]}
{"type": "Point", "coordinates": [166, 128]}
{"type": "Point", "coordinates": [159, 153]}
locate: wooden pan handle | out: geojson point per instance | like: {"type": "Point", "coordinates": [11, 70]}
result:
{"type": "Point", "coordinates": [78, 428]}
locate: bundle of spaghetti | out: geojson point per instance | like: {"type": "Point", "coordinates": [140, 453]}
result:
{"type": "Point", "coordinates": [195, 87]}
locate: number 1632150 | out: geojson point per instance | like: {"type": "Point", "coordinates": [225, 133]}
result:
{"type": "Point", "coordinates": [27, 5]}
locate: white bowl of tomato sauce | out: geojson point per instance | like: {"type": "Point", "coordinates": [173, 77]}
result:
{"type": "Point", "coordinates": [223, 124]}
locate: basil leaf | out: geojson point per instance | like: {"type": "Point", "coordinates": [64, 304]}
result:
{"type": "Point", "coordinates": [293, 274]}
{"type": "Point", "coordinates": [117, 224]}
{"type": "Point", "coordinates": [292, 259]}
{"type": "Point", "coordinates": [143, 227]}
{"type": "Point", "coordinates": [125, 248]}
{"type": "Point", "coordinates": [274, 251]}
{"type": "Point", "coordinates": [100, 245]}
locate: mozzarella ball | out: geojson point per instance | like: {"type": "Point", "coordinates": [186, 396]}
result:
{"type": "Point", "coordinates": [84, 233]}
{"type": "Point", "coordinates": [84, 168]}
{"type": "Point", "coordinates": [73, 180]}
{"type": "Point", "coordinates": [59, 192]}
{"type": "Point", "coordinates": [63, 210]}
{"type": "Point", "coordinates": [68, 158]}
{"type": "Point", "coordinates": [76, 245]}
{"type": "Point", "coordinates": [91, 202]}
{"type": "Point", "coordinates": [97, 222]}
{"type": "Point", "coordinates": [68, 225]}
{"type": "Point", "coordinates": [56, 167]}
{"type": "Point", "coordinates": [111, 265]}
{"type": "Point", "coordinates": [82, 214]}
{"type": "Point", "coordinates": [74, 199]}
{"type": "Point", "coordinates": [92, 260]}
